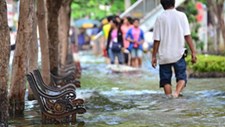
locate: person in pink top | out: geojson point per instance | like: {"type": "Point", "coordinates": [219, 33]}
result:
{"type": "Point", "coordinates": [115, 42]}
{"type": "Point", "coordinates": [127, 24]}
{"type": "Point", "coordinates": [135, 36]}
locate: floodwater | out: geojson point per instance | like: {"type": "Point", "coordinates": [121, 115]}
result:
{"type": "Point", "coordinates": [135, 100]}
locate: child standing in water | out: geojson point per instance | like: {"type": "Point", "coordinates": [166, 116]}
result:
{"type": "Point", "coordinates": [171, 30]}
{"type": "Point", "coordinates": [136, 38]}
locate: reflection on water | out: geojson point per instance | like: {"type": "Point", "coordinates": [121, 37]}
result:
{"type": "Point", "coordinates": [135, 100]}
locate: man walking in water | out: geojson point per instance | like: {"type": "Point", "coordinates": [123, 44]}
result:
{"type": "Point", "coordinates": [171, 30]}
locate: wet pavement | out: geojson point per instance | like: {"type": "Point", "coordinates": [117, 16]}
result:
{"type": "Point", "coordinates": [135, 100]}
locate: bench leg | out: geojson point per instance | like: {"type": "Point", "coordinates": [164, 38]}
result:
{"type": "Point", "coordinates": [74, 118]}
{"type": "Point", "coordinates": [43, 118]}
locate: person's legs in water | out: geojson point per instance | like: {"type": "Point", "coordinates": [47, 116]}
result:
{"type": "Point", "coordinates": [165, 73]}
{"type": "Point", "coordinates": [133, 57]}
{"type": "Point", "coordinates": [139, 62]}
{"type": "Point", "coordinates": [180, 86]}
{"type": "Point", "coordinates": [132, 62]}
{"type": "Point", "coordinates": [111, 56]}
{"type": "Point", "coordinates": [120, 57]}
{"type": "Point", "coordinates": [139, 54]}
{"type": "Point", "coordinates": [136, 61]}
{"type": "Point", "coordinates": [167, 90]}
{"type": "Point", "coordinates": [181, 76]}
{"type": "Point", "coordinates": [126, 58]}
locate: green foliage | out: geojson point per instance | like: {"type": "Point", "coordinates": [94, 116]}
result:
{"type": "Point", "coordinates": [82, 8]}
{"type": "Point", "coordinates": [207, 63]}
{"type": "Point", "coordinates": [203, 1]}
{"type": "Point", "coordinates": [117, 6]}
{"type": "Point", "coordinates": [190, 10]}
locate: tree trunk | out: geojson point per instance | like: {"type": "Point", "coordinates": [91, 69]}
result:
{"type": "Point", "coordinates": [43, 35]}
{"type": "Point", "coordinates": [4, 63]}
{"type": "Point", "coordinates": [33, 52]}
{"type": "Point", "coordinates": [24, 36]}
{"type": "Point", "coordinates": [221, 24]}
{"type": "Point", "coordinates": [64, 27]}
{"type": "Point", "coordinates": [216, 9]}
{"type": "Point", "coordinates": [127, 4]}
{"type": "Point", "coordinates": [53, 7]}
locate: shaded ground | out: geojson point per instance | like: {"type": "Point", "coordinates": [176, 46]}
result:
{"type": "Point", "coordinates": [135, 100]}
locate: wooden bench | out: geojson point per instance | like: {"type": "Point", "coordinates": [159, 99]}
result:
{"type": "Point", "coordinates": [56, 82]}
{"type": "Point", "coordinates": [60, 80]}
{"type": "Point", "coordinates": [70, 68]}
{"type": "Point", "coordinates": [51, 87]}
{"type": "Point", "coordinates": [57, 105]}
{"type": "Point", "coordinates": [65, 79]}
{"type": "Point", "coordinates": [55, 88]}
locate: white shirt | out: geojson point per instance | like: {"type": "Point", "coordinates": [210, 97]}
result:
{"type": "Point", "coordinates": [170, 28]}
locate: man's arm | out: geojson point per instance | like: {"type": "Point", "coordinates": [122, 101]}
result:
{"type": "Point", "coordinates": [188, 39]}
{"type": "Point", "coordinates": [155, 50]}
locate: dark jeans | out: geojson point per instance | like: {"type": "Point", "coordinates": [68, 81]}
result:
{"type": "Point", "coordinates": [165, 72]}
{"type": "Point", "coordinates": [113, 55]}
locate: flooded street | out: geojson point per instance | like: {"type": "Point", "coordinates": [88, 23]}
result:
{"type": "Point", "coordinates": [135, 100]}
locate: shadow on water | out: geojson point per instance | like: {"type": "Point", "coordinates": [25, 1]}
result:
{"type": "Point", "coordinates": [135, 100]}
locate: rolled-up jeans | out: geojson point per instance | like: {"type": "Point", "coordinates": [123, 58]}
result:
{"type": "Point", "coordinates": [165, 72]}
{"type": "Point", "coordinates": [113, 55]}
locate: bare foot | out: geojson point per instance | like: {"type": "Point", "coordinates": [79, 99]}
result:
{"type": "Point", "coordinates": [175, 95]}
{"type": "Point", "coordinates": [169, 96]}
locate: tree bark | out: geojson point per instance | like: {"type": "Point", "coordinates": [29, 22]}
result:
{"type": "Point", "coordinates": [127, 3]}
{"type": "Point", "coordinates": [4, 63]}
{"type": "Point", "coordinates": [33, 52]}
{"type": "Point", "coordinates": [43, 35]}
{"type": "Point", "coordinates": [220, 17]}
{"type": "Point", "coordinates": [53, 7]}
{"type": "Point", "coordinates": [64, 27]}
{"type": "Point", "coordinates": [24, 36]}
{"type": "Point", "coordinates": [216, 9]}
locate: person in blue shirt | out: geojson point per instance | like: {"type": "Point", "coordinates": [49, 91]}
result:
{"type": "Point", "coordinates": [135, 36]}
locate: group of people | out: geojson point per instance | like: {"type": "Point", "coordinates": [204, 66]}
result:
{"type": "Point", "coordinates": [171, 30]}
{"type": "Point", "coordinates": [124, 39]}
